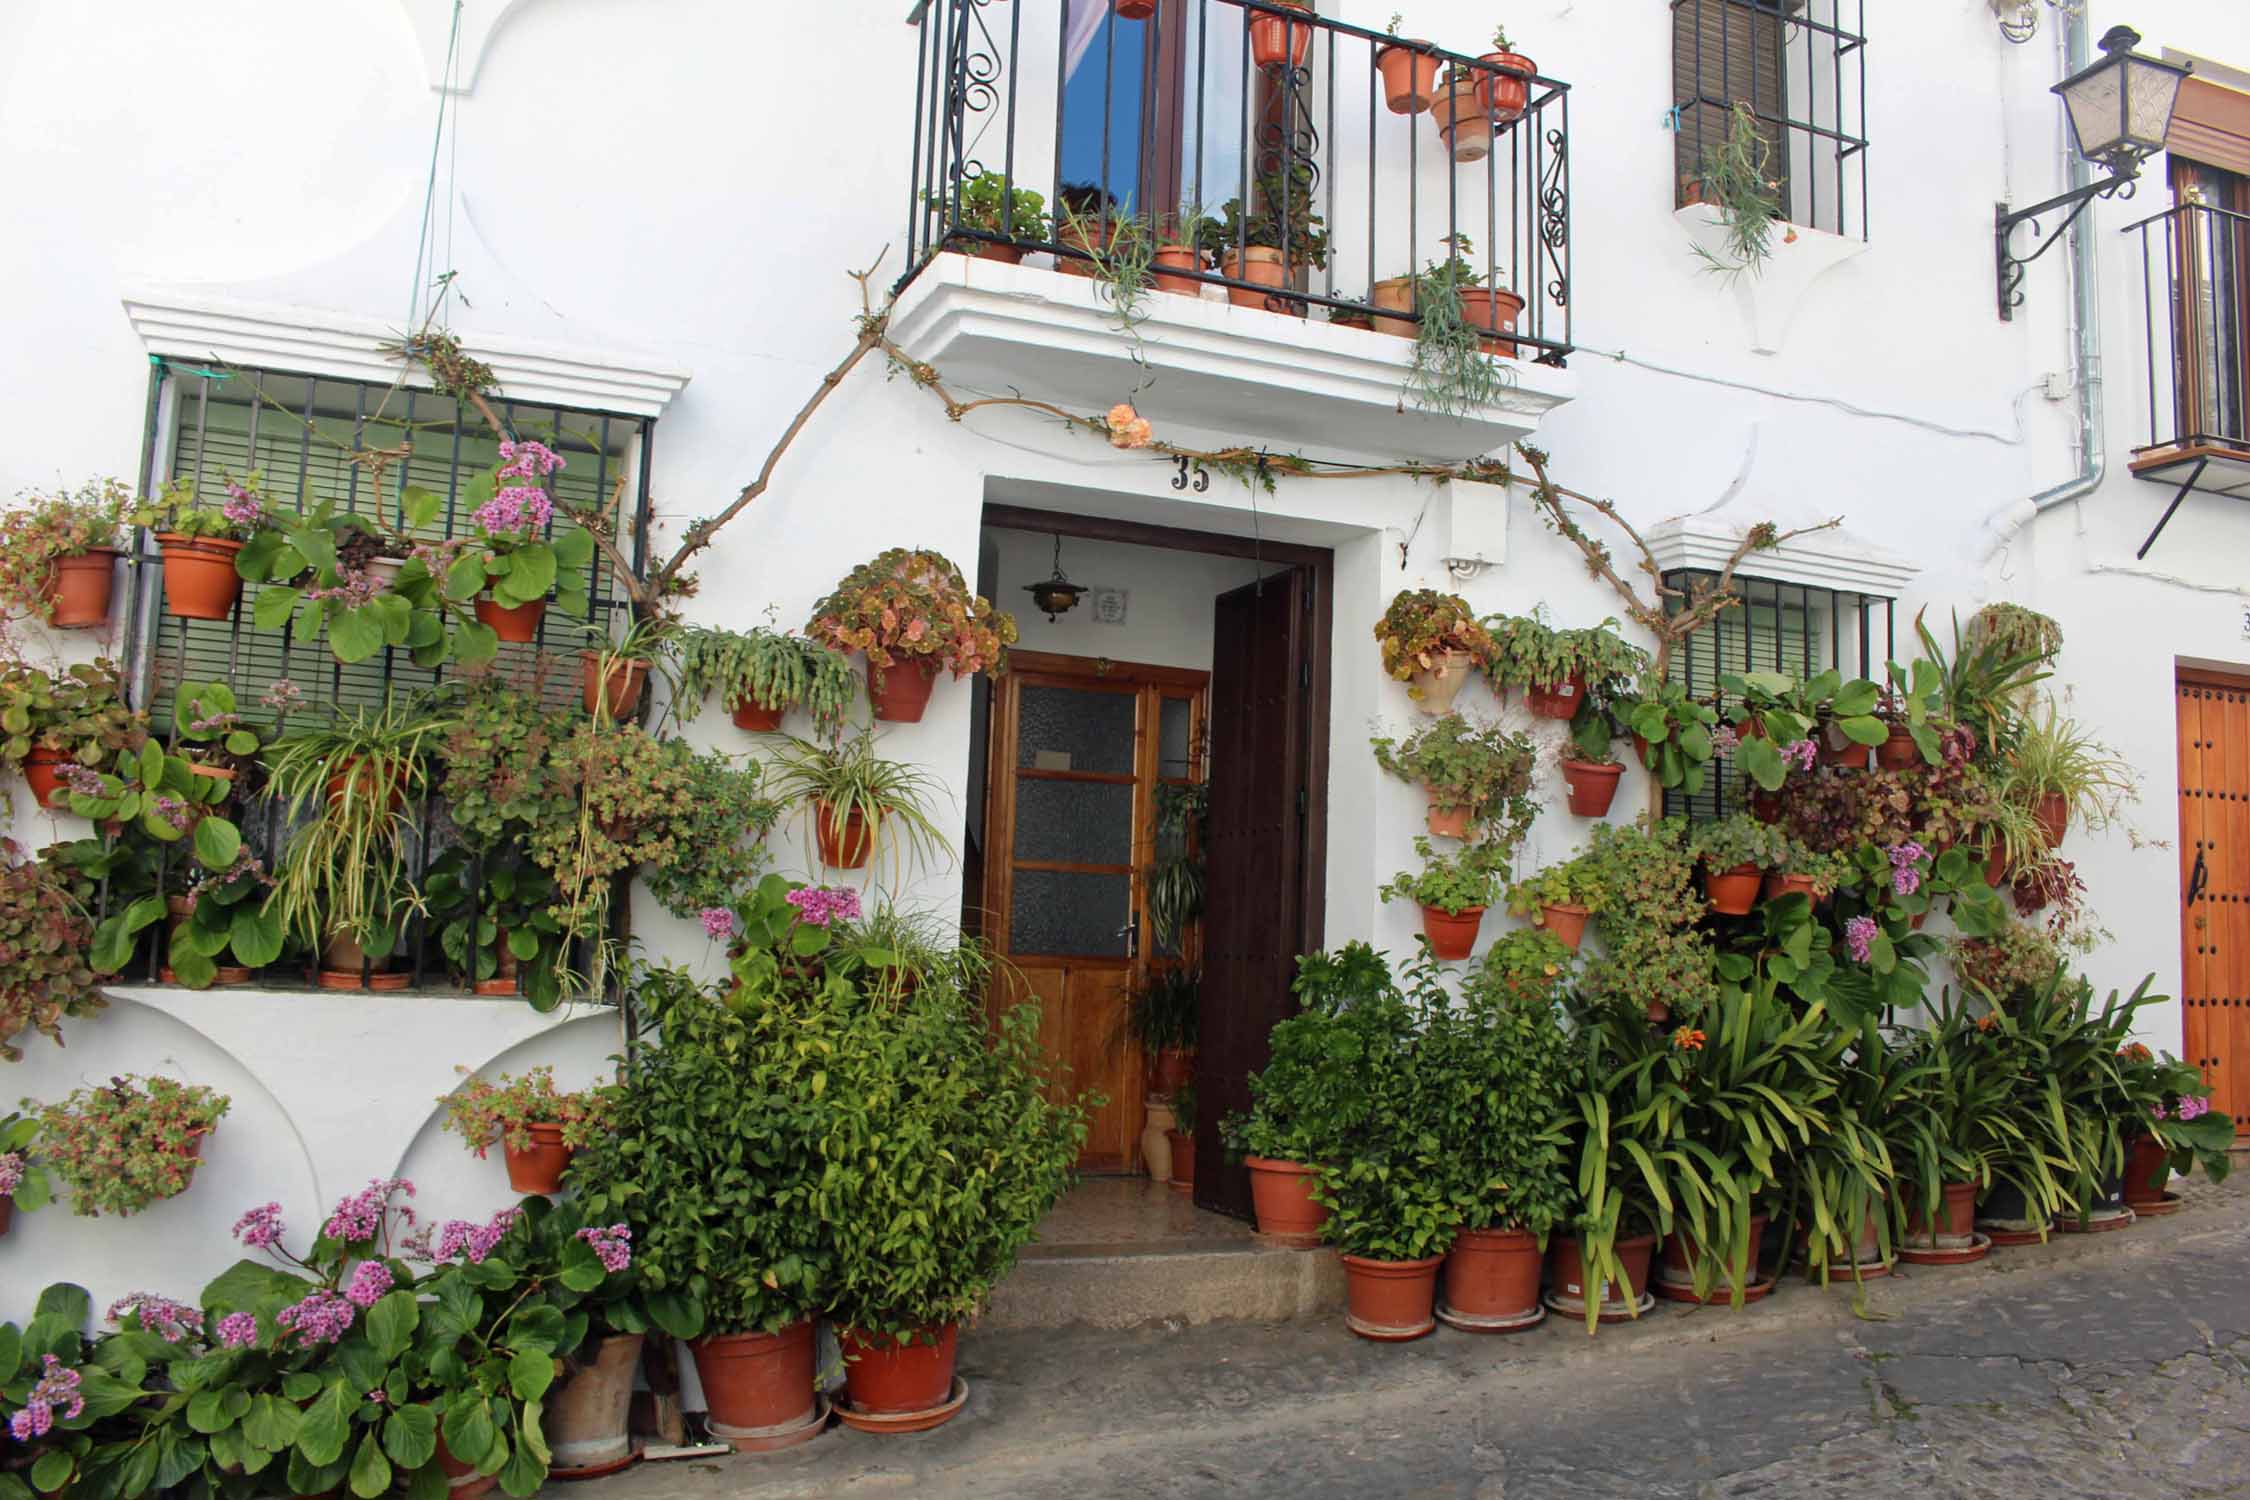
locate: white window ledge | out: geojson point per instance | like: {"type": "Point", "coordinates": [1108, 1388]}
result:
{"type": "Point", "coordinates": [1822, 559]}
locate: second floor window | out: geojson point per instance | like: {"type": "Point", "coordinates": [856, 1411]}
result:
{"type": "Point", "coordinates": [2211, 284]}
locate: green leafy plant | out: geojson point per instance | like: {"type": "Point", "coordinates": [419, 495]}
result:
{"type": "Point", "coordinates": [718, 837]}
{"type": "Point", "coordinates": [848, 780]}
{"type": "Point", "coordinates": [319, 578]}
{"type": "Point", "coordinates": [904, 604]}
{"type": "Point", "coordinates": [501, 927]}
{"type": "Point", "coordinates": [987, 204]}
{"type": "Point", "coordinates": [128, 1144]}
{"type": "Point", "coordinates": [2016, 632]}
{"type": "Point", "coordinates": [1729, 842]}
{"type": "Point", "coordinates": [1655, 955]}
{"type": "Point", "coordinates": [43, 528]}
{"type": "Point", "coordinates": [2180, 1112]}
{"type": "Point", "coordinates": [1674, 733]}
{"type": "Point", "coordinates": [1464, 764]}
{"type": "Point", "coordinates": [178, 510]}
{"type": "Point", "coordinates": [484, 1111]}
{"type": "Point", "coordinates": [1165, 1009]}
{"type": "Point", "coordinates": [1423, 625]}
{"type": "Point", "coordinates": [890, 951]}
{"type": "Point", "coordinates": [515, 550]}
{"type": "Point", "coordinates": [1451, 373]}
{"type": "Point", "coordinates": [1568, 884]}
{"type": "Point", "coordinates": [1174, 889]}
{"type": "Point", "coordinates": [1529, 653]}
{"type": "Point", "coordinates": [64, 1398]}
{"type": "Point", "coordinates": [1494, 1072]}
{"type": "Point", "coordinates": [1124, 257]}
{"type": "Point", "coordinates": [45, 937]}
{"type": "Point", "coordinates": [767, 669]}
{"type": "Point", "coordinates": [1523, 965]}
{"type": "Point", "coordinates": [24, 1184]}
{"type": "Point", "coordinates": [1295, 1111]}
{"type": "Point", "coordinates": [1284, 220]}
{"type": "Point", "coordinates": [1737, 179]}
{"type": "Point", "coordinates": [1451, 883]}
{"type": "Point", "coordinates": [1981, 682]}
{"type": "Point", "coordinates": [2055, 756]}
{"type": "Point", "coordinates": [78, 713]}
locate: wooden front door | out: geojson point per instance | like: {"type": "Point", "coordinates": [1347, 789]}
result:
{"type": "Point", "coordinates": [1076, 752]}
{"type": "Point", "coordinates": [1259, 874]}
{"type": "Point", "coordinates": [2214, 729]}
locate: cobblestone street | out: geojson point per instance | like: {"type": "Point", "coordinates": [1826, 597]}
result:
{"type": "Point", "coordinates": [2107, 1365]}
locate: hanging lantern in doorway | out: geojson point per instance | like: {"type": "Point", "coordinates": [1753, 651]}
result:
{"type": "Point", "coordinates": [1058, 595]}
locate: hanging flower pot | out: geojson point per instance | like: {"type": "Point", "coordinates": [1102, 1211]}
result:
{"type": "Point", "coordinates": [1448, 821]}
{"type": "Point", "coordinates": [1171, 260]}
{"type": "Point", "coordinates": [1504, 98]}
{"type": "Point", "coordinates": [1182, 1143]}
{"type": "Point", "coordinates": [1898, 752]}
{"type": "Point", "coordinates": [1996, 864]}
{"type": "Point", "coordinates": [1462, 122]}
{"type": "Point", "coordinates": [844, 845]}
{"type": "Point", "coordinates": [1084, 235]}
{"type": "Point", "coordinates": [538, 1167]}
{"type": "Point", "coordinates": [1593, 786]}
{"type": "Point", "coordinates": [1566, 920]}
{"type": "Point", "coordinates": [1492, 1280]}
{"type": "Point", "coordinates": [891, 1376]}
{"type": "Point", "coordinates": [1409, 76]}
{"type": "Point", "coordinates": [900, 692]}
{"type": "Point", "coordinates": [200, 582]}
{"type": "Point", "coordinates": [1261, 264]}
{"type": "Point", "coordinates": [2053, 816]}
{"type": "Point", "coordinates": [1438, 685]}
{"type": "Point", "coordinates": [1779, 885]}
{"type": "Point", "coordinates": [1558, 700]}
{"type": "Point", "coordinates": [1274, 39]}
{"type": "Point", "coordinates": [42, 772]}
{"type": "Point", "coordinates": [1733, 891]}
{"type": "Point", "coordinates": [1493, 310]}
{"type": "Point", "coordinates": [356, 777]}
{"type": "Point", "coordinates": [1135, 10]}
{"type": "Point", "coordinates": [757, 1384]}
{"type": "Point", "coordinates": [1281, 1193]}
{"type": "Point", "coordinates": [756, 718]}
{"type": "Point", "coordinates": [1390, 1300]}
{"type": "Point", "coordinates": [1452, 934]}
{"type": "Point", "coordinates": [588, 1412]}
{"type": "Point", "coordinates": [1567, 1275]}
{"type": "Point", "coordinates": [616, 692]}
{"type": "Point", "coordinates": [1395, 294]}
{"type": "Point", "coordinates": [78, 589]}
{"type": "Point", "coordinates": [518, 623]}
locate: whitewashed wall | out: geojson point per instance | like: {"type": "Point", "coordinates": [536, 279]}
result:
{"type": "Point", "coordinates": [657, 180]}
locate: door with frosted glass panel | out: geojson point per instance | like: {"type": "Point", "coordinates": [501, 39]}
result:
{"type": "Point", "coordinates": [1078, 748]}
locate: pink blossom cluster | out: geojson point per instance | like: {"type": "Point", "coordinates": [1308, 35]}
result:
{"type": "Point", "coordinates": [613, 1246]}
{"type": "Point", "coordinates": [1724, 740]}
{"type": "Point", "coordinates": [168, 1320]}
{"type": "Point", "coordinates": [819, 905]}
{"type": "Point", "coordinates": [261, 1228]}
{"type": "Point", "coordinates": [282, 695]}
{"type": "Point", "coordinates": [1859, 937]}
{"type": "Point", "coordinates": [370, 1280]}
{"type": "Point", "coordinates": [358, 587]}
{"type": "Point", "coordinates": [458, 1237]}
{"type": "Point", "coordinates": [57, 1388]}
{"type": "Point", "coordinates": [175, 812]}
{"type": "Point", "coordinates": [1801, 754]}
{"type": "Point", "coordinates": [529, 460]}
{"type": "Point", "coordinates": [322, 1318]}
{"type": "Point", "coordinates": [2192, 1107]}
{"type": "Point", "coordinates": [244, 506]}
{"type": "Point", "coordinates": [519, 507]}
{"type": "Point", "coordinates": [238, 1330]}
{"type": "Point", "coordinates": [359, 1218]}
{"type": "Point", "coordinates": [1906, 877]}
{"type": "Point", "coordinates": [11, 1171]}
{"type": "Point", "coordinates": [84, 780]}
{"type": "Point", "coordinates": [718, 922]}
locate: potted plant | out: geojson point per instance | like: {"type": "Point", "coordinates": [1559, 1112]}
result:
{"type": "Point", "coordinates": [1803, 871]}
{"type": "Point", "coordinates": [45, 938]}
{"type": "Point", "coordinates": [1453, 891]}
{"type": "Point", "coordinates": [762, 674]}
{"type": "Point", "coordinates": [537, 1125]}
{"type": "Point", "coordinates": [1561, 898]}
{"type": "Point", "coordinates": [859, 801]}
{"type": "Point", "coordinates": [1475, 774]}
{"type": "Point", "coordinates": [1497, 1070]}
{"type": "Point", "coordinates": [717, 843]}
{"type": "Point", "coordinates": [911, 613]}
{"type": "Point", "coordinates": [1179, 247]}
{"type": "Point", "coordinates": [1558, 668]}
{"type": "Point", "coordinates": [586, 1417]}
{"type": "Point", "coordinates": [495, 923]}
{"type": "Point", "coordinates": [1161, 1018]}
{"type": "Point", "coordinates": [1358, 312]}
{"type": "Point", "coordinates": [1524, 964]}
{"type": "Point", "coordinates": [1736, 851]}
{"type": "Point", "coordinates": [2016, 632]}
{"type": "Point", "coordinates": [1430, 641]}
{"type": "Point", "coordinates": [1278, 39]}
{"type": "Point", "coordinates": [130, 1143]}
{"type": "Point", "coordinates": [1013, 219]}
{"type": "Point", "coordinates": [613, 673]}
{"type": "Point", "coordinates": [2183, 1131]}
{"type": "Point", "coordinates": [1280, 240]}
{"type": "Point", "coordinates": [58, 554]}
{"type": "Point", "coordinates": [199, 541]}
{"type": "Point", "coordinates": [1672, 733]}
{"type": "Point", "coordinates": [325, 574]}
{"type": "Point", "coordinates": [1182, 1141]}
{"type": "Point", "coordinates": [2060, 771]}
{"type": "Point", "coordinates": [1503, 96]}
{"type": "Point", "coordinates": [75, 717]}
{"type": "Point", "coordinates": [1601, 1268]}
{"type": "Point", "coordinates": [1463, 120]}
{"type": "Point", "coordinates": [1409, 69]}
{"type": "Point", "coordinates": [516, 555]}
{"type": "Point", "coordinates": [1590, 768]}
{"type": "Point", "coordinates": [1657, 959]}
{"type": "Point", "coordinates": [24, 1184]}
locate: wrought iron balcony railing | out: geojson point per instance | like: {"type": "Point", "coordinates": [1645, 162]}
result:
{"type": "Point", "coordinates": [2195, 297]}
{"type": "Point", "coordinates": [1294, 160]}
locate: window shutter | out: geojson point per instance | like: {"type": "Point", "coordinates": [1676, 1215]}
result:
{"type": "Point", "coordinates": [1725, 52]}
{"type": "Point", "coordinates": [2212, 125]}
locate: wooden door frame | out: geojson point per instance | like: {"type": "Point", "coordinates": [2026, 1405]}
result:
{"type": "Point", "coordinates": [1321, 563]}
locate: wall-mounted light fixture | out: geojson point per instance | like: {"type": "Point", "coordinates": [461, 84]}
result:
{"type": "Point", "coordinates": [1058, 595]}
{"type": "Point", "coordinates": [2120, 109]}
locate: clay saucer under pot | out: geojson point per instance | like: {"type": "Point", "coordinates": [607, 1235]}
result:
{"type": "Point", "coordinates": [908, 1421]}
{"type": "Point", "coordinates": [1979, 1246]}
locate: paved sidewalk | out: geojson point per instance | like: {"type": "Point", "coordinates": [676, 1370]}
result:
{"type": "Point", "coordinates": [2101, 1365]}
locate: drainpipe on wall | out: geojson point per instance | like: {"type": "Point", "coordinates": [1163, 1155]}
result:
{"type": "Point", "coordinates": [2085, 320]}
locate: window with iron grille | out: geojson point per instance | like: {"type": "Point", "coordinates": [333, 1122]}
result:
{"type": "Point", "coordinates": [1790, 628]}
{"type": "Point", "coordinates": [1800, 68]}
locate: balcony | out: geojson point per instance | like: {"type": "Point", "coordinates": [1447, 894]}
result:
{"type": "Point", "coordinates": [1273, 183]}
{"type": "Point", "coordinates": [2195, 291]}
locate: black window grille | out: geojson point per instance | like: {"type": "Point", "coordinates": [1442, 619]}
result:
{"type": "Point", "coordinates": [1778, 627]}
{"type": "Point", "coordinates": [1800, 68]}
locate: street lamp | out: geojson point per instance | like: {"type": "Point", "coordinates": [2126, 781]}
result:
{"type": "Point", "coordinates": [2120, 109]}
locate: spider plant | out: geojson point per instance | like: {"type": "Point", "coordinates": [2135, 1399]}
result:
{"type": "Point", "coordinates": [1980, 684]}
{"type": "Point", "coordinates": [765, 669]}
{"type": "Point", "coordinates": [905, 952]}
{"type": "Point", "coordinates": [2055, 756]}
{"type": "Point", "coordinates": [848, 779]}
{"type": "Point", "coordinates": [1452, 374]}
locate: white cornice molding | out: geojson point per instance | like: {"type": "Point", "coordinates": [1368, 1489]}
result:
{"type": "Point", "coordinates": [193, 325]}
{"type": "Point", "coordinates": [1822, 559]}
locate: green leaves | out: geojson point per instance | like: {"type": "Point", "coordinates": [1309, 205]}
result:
{"type": "Point", "coordinates": [391, 1323]}
{"type": "Point", "coordinates": [469, 1433]}
{"type": "Point", "coordinates": [327, 1426]}
{"type": "Point", "coordinates": [218, 843]}
{"type": "Point", "coordinates": [530, 1372]}
{"type": "Point", "coordinates": [410, 1436]}
{"type": "Point", "coordinates": [371, 1472]}
{"type": "Point", "coordinates": [356, 634]}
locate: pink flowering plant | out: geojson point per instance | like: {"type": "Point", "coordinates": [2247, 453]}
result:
{"type": "Point", "coordinates": [65, 1397]}
{"type": "Point", "coordinates": [237, 513]}
{"type": "Point", "coordinates": [130, 1143]}
{"type": "Point", "coordinates": [516, 551]}
{"type": "Point", "coordinates": [41, 529]}
{"type": "Point", "coordinates": [335, 574]}
{"type": "Point", "coordinates": [1885, 893]}
{"type": "Point", "coordinates": [2180, 1112]}
{"type": "Point", "coordinates": [23, 1182]}
{"type": "Point", "coordinates": [482, 1111]}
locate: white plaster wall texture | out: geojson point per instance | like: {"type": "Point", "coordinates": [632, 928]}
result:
{"type": "Point", "coordinates": [686, 183]}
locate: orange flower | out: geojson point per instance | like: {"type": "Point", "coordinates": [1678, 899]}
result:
{"type": "Point", "coordinates": [1986, 1023]}
{"type": "Point", "coordinates": [1128, 428]}
{"type": "Point", "coordinates": [1688, 1039]}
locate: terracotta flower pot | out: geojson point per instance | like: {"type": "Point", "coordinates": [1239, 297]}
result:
{"type": "Point", "coordinates": [588, 1412]}
{"type": "Point", "coordinates": [1493, 1273]}
{"type": "Point", "coordinates": [1566, 920]}
{"type": "Point", "coordinates": [1173, 259]}
{"type": "Point", "coordinates": [1568, 1274]}
{"type": "Point", "coordinates": [359, 777]}
{"type": "Point", "coordinates": [1441, 684]}
{"type": "Point", "coordinates": [1452, 934]}
{"type": "Point", "coordinates": [1281, 1193]}
{"type": "Point", "coordinates": [1395, 294]}
{"type": "Point", "coordinates": [1779, 885]}
{"type": "Point", "coordinates": [1996, 865]}
{"type": "Point", "coordinates": [42, 772]}
{"type": "Point", "coordinates": [1172, 1067]}
{"type": "Point", "coordinates": [1558, 700]}
{"type": "Point", "coordinates": [1390, 1300]}
{"type": "Point", "coordinates": [1135, 10]}
{"type": "Point", "coordinates": [1007, 255]}
{"type": "Point", "coordinates": [1409, 77]}
{"type": "Point", "coordinates": [1593, 786]}
{"type": "Point", "coordinates": [1260, 264]}
{"type": "Point", "coordinates": [78, 589]}
{"type": "Point", "coordinates": [462, 1481]}
{"type": "Point", "coordinates": [2148, 1171]}
{"type": "Point", "coordinates": [1957, 1216]}
{"type": "Point", "coordinates": [1898, 752]}
{"type": "Point", "coordinates": [757, 1383]}
{"type": "Point", "coordinates": [616, 692]}
{"type": "Point", "coordinates": [222, 975]}
{"type": "Point", "coordinates": [1274, 40]}
{"type": "Point", "coordinates": [904, 691]}
{"type": "Point", "coordinates": [1852, 757]}
{"type": "Point", "coordinates": [756, 718]}
{"type": "Point", "coordinates": [518, 623]}
{"type": "Point", "coordinates": [885, 1375]}
{"type": "Point", "coordinates": [1084, 237]}
{"type": "Point", "coordinates": [1182, 1143]}
{"type": "Point", "coordinates": [1732, 892]}
{"type": "Point", "coordinates": [200, 582]}
{"type": "Point", "coordinates": [844, 848]}
{"type": "Point", "coordinates": [1462, 121]}
{"type": "Point", "coordinates": [343, 962]}
{"type": "Point", "coordinates": [537, 1168]}
{"type": "Point", "coordinates": [1494, 309]}
{"type": "Point", "coordinates": [1683, 1252]}
{"type": "Point", "coordinates": [1448, 822]}
{"type": "Point", "coordinates": [1505, 98]}
{"type": "Point", "coordinates": [2053, 817]}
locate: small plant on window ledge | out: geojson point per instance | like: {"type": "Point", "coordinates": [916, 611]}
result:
{"type": "Point", "coordinates": [1737, 180]}
{"type": "Point", "coordinates": [1452, 373]}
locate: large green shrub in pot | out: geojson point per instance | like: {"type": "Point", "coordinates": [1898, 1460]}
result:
{"type": "Point", "coordinates": [1300, 1098]}
{"type": "Point", "coordinates": [1496, 1068]}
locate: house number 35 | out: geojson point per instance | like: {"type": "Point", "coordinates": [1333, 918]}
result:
{"type": "Point", "coordinates": [1180, 480]}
